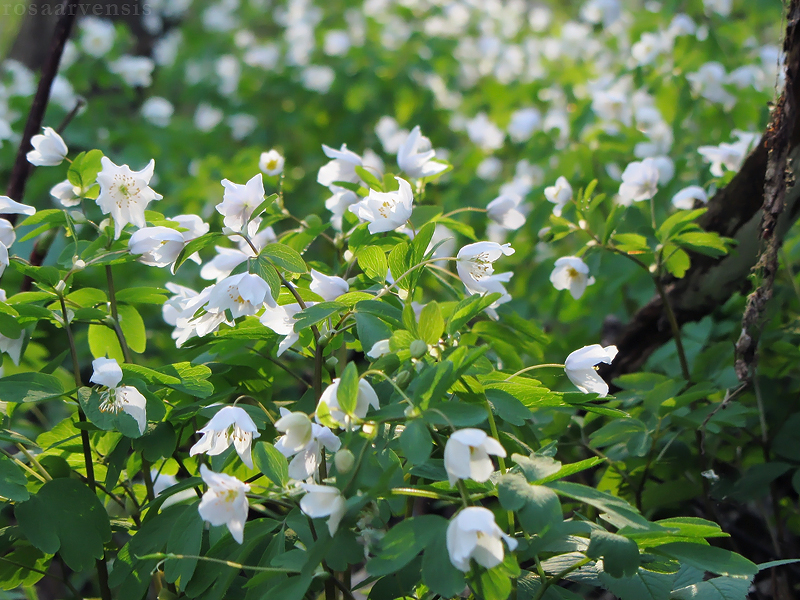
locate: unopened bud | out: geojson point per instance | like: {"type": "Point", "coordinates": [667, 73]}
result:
{"type": "Point", "coordinates": [60, 287]}
{"type": "Point", "coordinates": [344, 460]}
{"type": "Point", "coordinates": [418, 348]}
{"type": "Point", "coordinates": [324, 338]}
{"type": "Point", "coordinates": [78, 264]}
{"type": "Point", "coordinates": [331, 363]}
{"type": "Point", "coordinates": [403, 379]}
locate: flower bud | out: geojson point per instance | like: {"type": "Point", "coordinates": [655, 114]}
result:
{"type": "Point", "coordinates": [324, 338]}
{"type": "Point", "coordinates": [344, 460]}
{"type": "Point", "coordinates": [331, 363]}
{"type": "Point", "coordinates": [61, 286]}
{"type": "Point", "coordinates": [403, 379]}
{"type": "Point", "coordinates": [418, 348]}
{"type": "Point", "coordinates": [78, 264]}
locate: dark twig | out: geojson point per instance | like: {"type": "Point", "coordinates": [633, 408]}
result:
{"type": "Point", "coordinates": [22, 168]}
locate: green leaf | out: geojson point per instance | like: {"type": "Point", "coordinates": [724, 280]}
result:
{"type": "Point", "coordinates": [192, 379]}
{"type": "Point", "coordinates": [12, 481]}
{"type": "Point", "coordinates": [431, 323]}
{"type": "Point", "coordinates": [536, 467]}
{"type": "Point", "coordinates": [66, 517]}
{"type": "Point", "coordinates": [133, 328]}
{"type": "Point", "coordinates": [416, 442]}
{"type": "Point", "coordinates": [571, 469]}
{"type": "Point", "coordinates": [271, 463]}
{"type": "Point", "coordinates": [103, 342]}
{"type": "Point", "coordinates": [400, 263]}
{"type": "Point", "coordinates": [266, 270]}
{"type": "Point", "coordinates": [23, 567]}
{"type": "Point", "coordinates": [719, 588]}
{"type": "Point", "coordinates": [508, 408]}
{"type": "Point", "coordinates": [284, 257]}
{"type": "Point", "coordinates": [316, 313]}
{"type": "Point", "coordinates": [143, 295]}
{"type": "Point", "coordinates": [370, 330]}
{"type": "Point", "coordinates": [620, 555]}
{"type": "Point", "coordinates": [457, 414]}
{"type": "Point", "coordinates": [438, 573]}
{"type": "Point", "coordinates": [677, 261]}
{"type": "Point", "coordinates": [383, 310]}
{"type": "Point", "coordinates": [630, 432]}
{"type": "Point", "coordinates": [186, 538]}
{"type": "Point", "coordinates": [709, 558]}
{"type": "Point", "coordinates": [195, 245]}
{"type": "Point", "coordinates": [703, 242]}
{"type": "Point", "coordinates": [677, 222]}
{"type": "Point", "coordinates": [108, 421]}
{"type": "Point", "coordinates": [622, 512]}
{"type": "Point", "coordinates": [631, 243]}
{"type": "Point", "coordinates": [467, 309]}
{"type": "Point", "coordinates": [491, 584]}
{"type": "Point", "coordinates": [347, 392]}
{"type": "Point", "coordinates": [372, 261]}
{"type": "Point", "coordinates": [644, 585]}
{"type": "Point", "coordinates": [537, 507]}
{"type": "Point", "coordinates": [30, 387]}
{"type": "Point", "coordinates": [369, 178]}
{"type": "Point", "coordinates": [404, 541]}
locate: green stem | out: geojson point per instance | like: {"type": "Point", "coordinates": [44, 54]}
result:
{"type": "Point", "coordinates": [23, 466]}
{"type": "Point", "coordinates": [462, 489]}
{"type": "Point", "coordinates": [404, 491]}
{"type": "Point", "coordinates": [676, 329]}
{"type": "Point", "coordinates": [533, 368]}
{"type": "Point", "coordinates": [112, 297]}
{"type": "Point", "coordinates": [228, 563]}
{"type": "Point", "coordinates": [558, 577]}
{"type": "Point", "coordinates": [35, 462]}
{"type": "Point", "coordinates": [71, 588]}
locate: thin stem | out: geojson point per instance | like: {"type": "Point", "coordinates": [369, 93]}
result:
{"type": "Point", "coordinates": [462, 490]}
{"type": "Point", "coordinates": [148, 480]}
{"type": "Point", "coordinates": [24, 466]}
{"type": "Point", "coordinates": [285, 368]}
{"type": "Point", "coordinates": [228, 563]}
{"type": "Point", "coordinates": [460, 210]}
{"type": "Point", "coordinates": [112, 297]}
{"type": "Point", "coordinates": [404, 491]}
{"type": "Point", "coordinates": [558, 577]}
{"type": "Point", "coordinates": [533, 368]}
{"type": "Point", "coordinates": [34, 462]}
{"type": "Point", "coordinates": [390, 380]}
{"type": "Point", "coordinates": [387, 289]}
{"type": "Point", "coordinates": [676, 329]}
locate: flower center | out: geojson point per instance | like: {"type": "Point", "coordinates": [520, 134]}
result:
{"type": "Point", "coordinates": [573, 274]}
{"type": "Point", "coordinates": [385, 209]}
{"type": "Point", "coordinates": [272, 165]}
{"type": "Point", "coordinates": [110, 402]}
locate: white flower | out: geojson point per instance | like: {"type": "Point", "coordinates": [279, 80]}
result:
{"type": "Point", "coordinates": [280, 319]}
{"type": "Point", "coordinates": [124, 194]}
{"type": "Point", "coordinates": [523, 123]}
{"type": "Point", "coordinates": [240, 201]}
{"type": "Point", "coordinates": [116, 398]}
{"type": "Point", "coordinates": [579, 367]}
{"type": "Point", "coordinates": [708, 82]}
{"type": "Point", "coordinates": [67, 194]}
{"type": "Point", "coordinates": [466, 455]}
{"type": "Point", "coordinates": [639, 182]}
{"type": "Point", "coordinates": [11, 346]}
{"type": "Point", "coordinates": [271, 162]}
{"type": "Point", "coordinates": [339, 203]}
{"type": "Point", "coordinates": [366, 398]}
{"type": "Point", "coordinates": [242, 294]}
{"type": "Point", "coordinates": [379, 348]}
{"type": "Point", "coordinates": [415, 156]}
{"type": "Point", "coordinates": [227, 259]}
{"type": "Point", "coordinates": [12, 207]}
{"type": "Point", "coordinates": [157, 111]}
{"type": "Point", "coordinates": [336, 42]}
{"type": "Point", "coordinates": [323, 501]}
{"type": "Point", "coordinates": [685, 199]}
{"type": "Point", "coordinates": [489, 168]}
{"type": "Point", "coordinates": [225, 502]}
{"type": "Point", "coordinates": [195, 227]}
{"type": "Point", "coordinates": [4, 262]}
{"type": "Point", "coordinates": [303, 440]}
{"type": "Point", "coordinates": [390, 134]}
{"type": "Point", "coordinates": [342, 167]}
{"type": "Point", "coordinates": [206, 117]}
{"type": "Point", "coordinates": [730, 156]}
{"type": "Point", "coordinates": [231, 424]}
{"type": "Point", "coordinates": [317, 78]}
{"type": "Point", "coordinates": [504, 210]}
{"type": "Point", "coordinates": [49, 149]}
{"type": "Point", "coordinates": [473, 533]}
{"type": "Point", "coordinates": [329, 287]}
{"type": "Point", "coordinates": [571, 273]}
{"type": "Point", "coordinates": [475, 264]}
{"type": "Point", "coordinates": [386, 211]}
{"type": "Point", "coordinates": [97, 36]}
{"type": "Point", "coordinates": [158, 246]}
{"type": "Point", "coordinates": [484, 133]}
{"type": "Point", "coordinates": [242, 125]}
{"type": "Point", "coordinates": [136, 71]}
{"type": "Point", "coordinates": [180, 309]}
{"type": "Point", "coordinates": [559, 194]}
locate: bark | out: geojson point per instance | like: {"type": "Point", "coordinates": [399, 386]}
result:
{"type": "Point", "coordinates": [735, 211]}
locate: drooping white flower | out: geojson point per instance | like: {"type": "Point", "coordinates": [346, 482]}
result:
{"type": "Point", "coordinates": [571, 273]}
{"type": "Point", "coordinates": [225, 502]}
{"type": "Point", "coordinates": [466, 455]}
{"type": "Point", "coordinates": [12, 207]}
{"type": "Point", "coordinates": [639, 182]}
{"type": "Point", "coordinates": [11, 346]}
{"type": "Point", "coordinates": [4, 261]}
{"type": "Point", "coordinates": [281, 320]}
{"type": "Point", "coordinates": [179, 312]}
{"type": "Point", "coordinates": [329, 287]}
{"type": "Point", "coordinates": [379, 348]}
{"type": "Point", "coordinates": [231, 425]}
{"type": "Point", "coordinates": [475, 264]}
{"type": "Point", "coordinates": [243, 294]}
{"type": "Point", "coordinates": [415, 156]}
{"type": "Point", "coordinates": [473, 534]}
{"type": "Point", "coordinates": [686, 198]}
{"type": "Point", "coordinates": [271, 162]}
{"type": "Point", "coordinates": [504, 210]}
{"type": "Point", "coordinates": [366, 398]}
{"type": "Point", "coordinates": [323, 501]}
{"type": "Point", "coordinates": [116, 398]}
{"type": "Point", "coordinates": [304, 440]}
{"type": "Point", "coordinates": [68, 195]}
{"type": "Point", "coordinates": [386, 211]}
{"type": "Point", "coordinates": [342, 167]}
{"type": "Point", "coordinates": [559, 194]}
{"type": "Point", "coordinates": [240, 201]}
{"type": "Point", "coordinates": [49, 149]}
{"type": "Point", "coordinates": [580, 364]}
{"type": "Point", "coordinates": [157, 246]}
{"type": "Point", "coordinates": [125, 194]}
